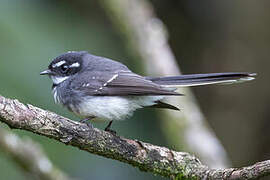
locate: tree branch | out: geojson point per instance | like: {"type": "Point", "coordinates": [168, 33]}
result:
{"type": "Point", "coordinates": [145, 156]}
{"type": "Point", "coordinates": [147, 37]}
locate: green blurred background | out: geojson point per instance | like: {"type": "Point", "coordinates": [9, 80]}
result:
{"type": "Point", "coordinates": [206, 36]}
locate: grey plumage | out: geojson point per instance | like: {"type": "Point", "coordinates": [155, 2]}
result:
{"type": "Point", "coordinates": [96, 86]}
{"type": "Point", "coordinates": [203, 79]}
{"type": "Point", "coordinates": [100, 70]}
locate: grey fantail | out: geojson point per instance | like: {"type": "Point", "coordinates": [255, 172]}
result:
{"type": "Point", "coordinates": [98, 87]}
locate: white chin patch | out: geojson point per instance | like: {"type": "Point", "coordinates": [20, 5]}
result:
{"type": "Point", "coordinates": [58, 79]}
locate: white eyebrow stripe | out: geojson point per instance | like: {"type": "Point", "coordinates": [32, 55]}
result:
{"type": "Point", "coordinates": [60, 63]}
{"type": "Point", "coordinates": [75, 65]}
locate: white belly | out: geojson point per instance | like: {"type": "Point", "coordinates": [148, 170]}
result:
{"type": "Point", "coordinates": [114, 107]}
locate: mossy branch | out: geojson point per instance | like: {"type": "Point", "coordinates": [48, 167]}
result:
{"type": "Point", "coordinates": [147, 157]}
{"type": "Point", "coordinates": [147, 38]}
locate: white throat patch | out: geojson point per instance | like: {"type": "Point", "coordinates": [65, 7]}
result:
{"type": "Point", "coordinates": [57, 79]}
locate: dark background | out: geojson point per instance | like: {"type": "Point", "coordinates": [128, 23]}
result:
{"type": "Point", "coordinates": [206, 36]}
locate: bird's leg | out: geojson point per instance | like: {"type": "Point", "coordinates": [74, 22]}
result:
{"type": "Point", "coordinates": [108, 128]}
{"type": "Point", "coordinates": [86, 121]}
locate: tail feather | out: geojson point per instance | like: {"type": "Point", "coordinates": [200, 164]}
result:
{"type": "Point", "coordinates": [203, 79]}
{"type": "Point", "coordinates": [163, 105]}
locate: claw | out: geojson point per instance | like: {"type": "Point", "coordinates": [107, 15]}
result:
{"type": "Point", "coordinates": [86, 121]}
{"type": "Point", "coordinates": [108, 128]}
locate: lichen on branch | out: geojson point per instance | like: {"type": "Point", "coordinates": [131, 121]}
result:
{"type": "Point", "coordinates": [147, 157]}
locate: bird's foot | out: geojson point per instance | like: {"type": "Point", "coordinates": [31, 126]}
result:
{"type": "Point", "coordinates": [110, 131]}
{"type": "Point", "coordinates": [108, 128]}
{"type": "Point", "coordinates": [86, 121]}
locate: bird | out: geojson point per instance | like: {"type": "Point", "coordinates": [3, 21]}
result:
{"type": "Point", "coordinates": [98, 88]}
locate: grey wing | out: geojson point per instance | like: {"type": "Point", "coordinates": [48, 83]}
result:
{"type": "Point", "coordinates": [124, 84]}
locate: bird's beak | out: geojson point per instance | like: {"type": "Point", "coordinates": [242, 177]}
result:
{"type": "Point", "coordinates": [46, 72]}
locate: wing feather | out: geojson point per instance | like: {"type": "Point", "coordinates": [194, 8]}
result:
{"type": "Point", "coordinates": [124, 84]}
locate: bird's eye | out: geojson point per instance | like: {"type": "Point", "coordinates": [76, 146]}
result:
{"type": "Point", "coordinates": [64, 68]}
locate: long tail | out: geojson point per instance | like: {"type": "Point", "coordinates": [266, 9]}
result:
{"type": "Point", "coordinates": [203, 79]}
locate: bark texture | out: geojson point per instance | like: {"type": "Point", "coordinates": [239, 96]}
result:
{"type": "Point", "coordinates": [147, 38]}
{"type": "Point", "coordinates": [147, 157]}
